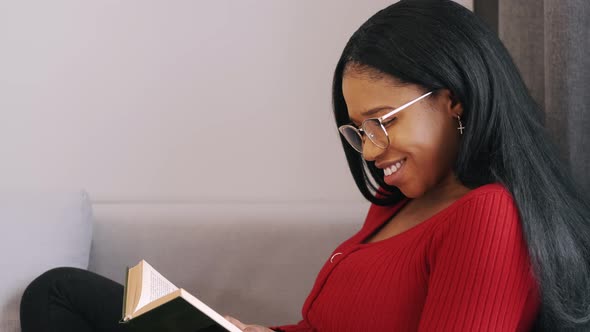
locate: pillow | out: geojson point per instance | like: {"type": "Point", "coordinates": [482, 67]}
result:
{"type": "Point", "coordinates": [38, 232]}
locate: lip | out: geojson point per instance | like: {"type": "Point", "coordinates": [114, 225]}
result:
{"type": "Point", "coordinates": [395, 178]}
{"type": "Point", "coordinates": [385, 165]}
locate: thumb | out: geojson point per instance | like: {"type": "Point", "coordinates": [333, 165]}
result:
{"type": "Point", "coordinates": [236, 322]}
{"type": "Point", "coordinates": [256, 328]}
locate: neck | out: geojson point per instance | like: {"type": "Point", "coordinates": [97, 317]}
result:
{"type": "Point", "coordinates": [449, 189]}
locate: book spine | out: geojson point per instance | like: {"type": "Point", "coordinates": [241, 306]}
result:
{"type": "Point", "coordinates": [123, 313]}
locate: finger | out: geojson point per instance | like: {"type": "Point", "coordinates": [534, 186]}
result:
{"type": "Point", "coordinates": [236, 322]}
{"type": "Point", "coordinates": [256, 328]}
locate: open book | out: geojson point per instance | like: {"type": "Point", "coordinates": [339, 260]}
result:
{"type": "Point", "coordinates": [152, 303]}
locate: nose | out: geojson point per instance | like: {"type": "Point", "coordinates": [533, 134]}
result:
{"type": "Point", "coordinates": [370, 150]}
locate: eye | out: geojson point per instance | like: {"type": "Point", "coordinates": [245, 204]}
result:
{"type": "Point", "coordinates": [387, 122]}
{"type": "Point", "coordinates": [354, 124]}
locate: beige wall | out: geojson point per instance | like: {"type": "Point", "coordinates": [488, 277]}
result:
{"type": "Point", "coordinates": [175, 100]}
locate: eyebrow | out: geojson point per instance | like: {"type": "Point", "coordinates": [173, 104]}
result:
{"type": "Point", "coordinates": [377, 110]}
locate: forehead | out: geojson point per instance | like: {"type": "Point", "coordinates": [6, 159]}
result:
{"type": "Point", "coordinates": [363, 92]}
{"type": "Point", "coordinates": [355, 87]}
{"type": "Point", "coordinates": [362, 78]}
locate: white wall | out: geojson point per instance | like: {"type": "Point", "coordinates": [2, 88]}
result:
{"type": "Point", "coordinates": [175, 100]}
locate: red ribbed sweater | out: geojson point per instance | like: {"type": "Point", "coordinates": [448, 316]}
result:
{"type": "Point", "coordinates": [464, 269]}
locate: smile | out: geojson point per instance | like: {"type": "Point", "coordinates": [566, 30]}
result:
{"type": "Point", "coordinates": [394, 168]}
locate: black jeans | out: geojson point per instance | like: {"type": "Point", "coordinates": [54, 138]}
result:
{"type": "Point", "coordinates": [69, 299]}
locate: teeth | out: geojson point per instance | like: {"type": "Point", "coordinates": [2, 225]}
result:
{"type": "Point", "coordinates": [393, 168]}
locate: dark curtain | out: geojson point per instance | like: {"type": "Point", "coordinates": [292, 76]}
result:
{"type": "Point", "coordinates": [550, 43]}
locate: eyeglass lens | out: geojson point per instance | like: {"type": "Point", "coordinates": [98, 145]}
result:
{"type": "Point", "coordinates": [374, 131]}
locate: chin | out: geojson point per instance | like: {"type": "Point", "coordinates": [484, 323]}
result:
{"type": "Point", "coordinates": [405, 192]}
{"type": "Point", "coordinates": [411, 192]}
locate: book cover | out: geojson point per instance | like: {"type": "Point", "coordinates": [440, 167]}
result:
{"type": "Point", "coordinates": [152, 303]}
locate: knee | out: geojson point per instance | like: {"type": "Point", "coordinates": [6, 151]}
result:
{"type": "Point", "coordinates": [41, 293]}
{"type": "Point", "coordinates": [43, 285]}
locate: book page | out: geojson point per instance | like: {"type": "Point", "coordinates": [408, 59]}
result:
{"type": "Point", "coordinates": [153, 286]}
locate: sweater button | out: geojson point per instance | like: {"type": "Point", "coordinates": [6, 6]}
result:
{"type": "Point", "coordinates": [332, 258]}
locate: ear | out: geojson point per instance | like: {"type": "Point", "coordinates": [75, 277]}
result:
{"type": "Point", "coordinates": [452, 104]}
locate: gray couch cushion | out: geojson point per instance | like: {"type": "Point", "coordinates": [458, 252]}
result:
{"type": "Point", "coordinates": [254, 261]}
{"type": "Point", "coordinates": [39, 231]}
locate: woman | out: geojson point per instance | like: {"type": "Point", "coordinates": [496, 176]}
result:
{"type": "Point", "coordinates": [476, 224]}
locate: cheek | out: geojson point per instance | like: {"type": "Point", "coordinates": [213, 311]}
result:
{"type": "Point", "coordinates": [426, 139]}
{"type": "Point", "coordinates": [429, 145]}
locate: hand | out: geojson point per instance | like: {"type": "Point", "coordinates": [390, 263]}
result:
{"type": "Point", "coordinates": [247, 327]}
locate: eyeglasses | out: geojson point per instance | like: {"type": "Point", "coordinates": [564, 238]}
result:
{"type": "Point", "coordinates": [374, 129]}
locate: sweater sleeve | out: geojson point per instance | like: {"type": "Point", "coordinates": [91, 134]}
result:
{"type": "Point", "coordinates": [480, 273]}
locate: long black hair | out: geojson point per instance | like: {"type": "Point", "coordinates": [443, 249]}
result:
{"type": "Point", "coordinates": [438, 44]}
